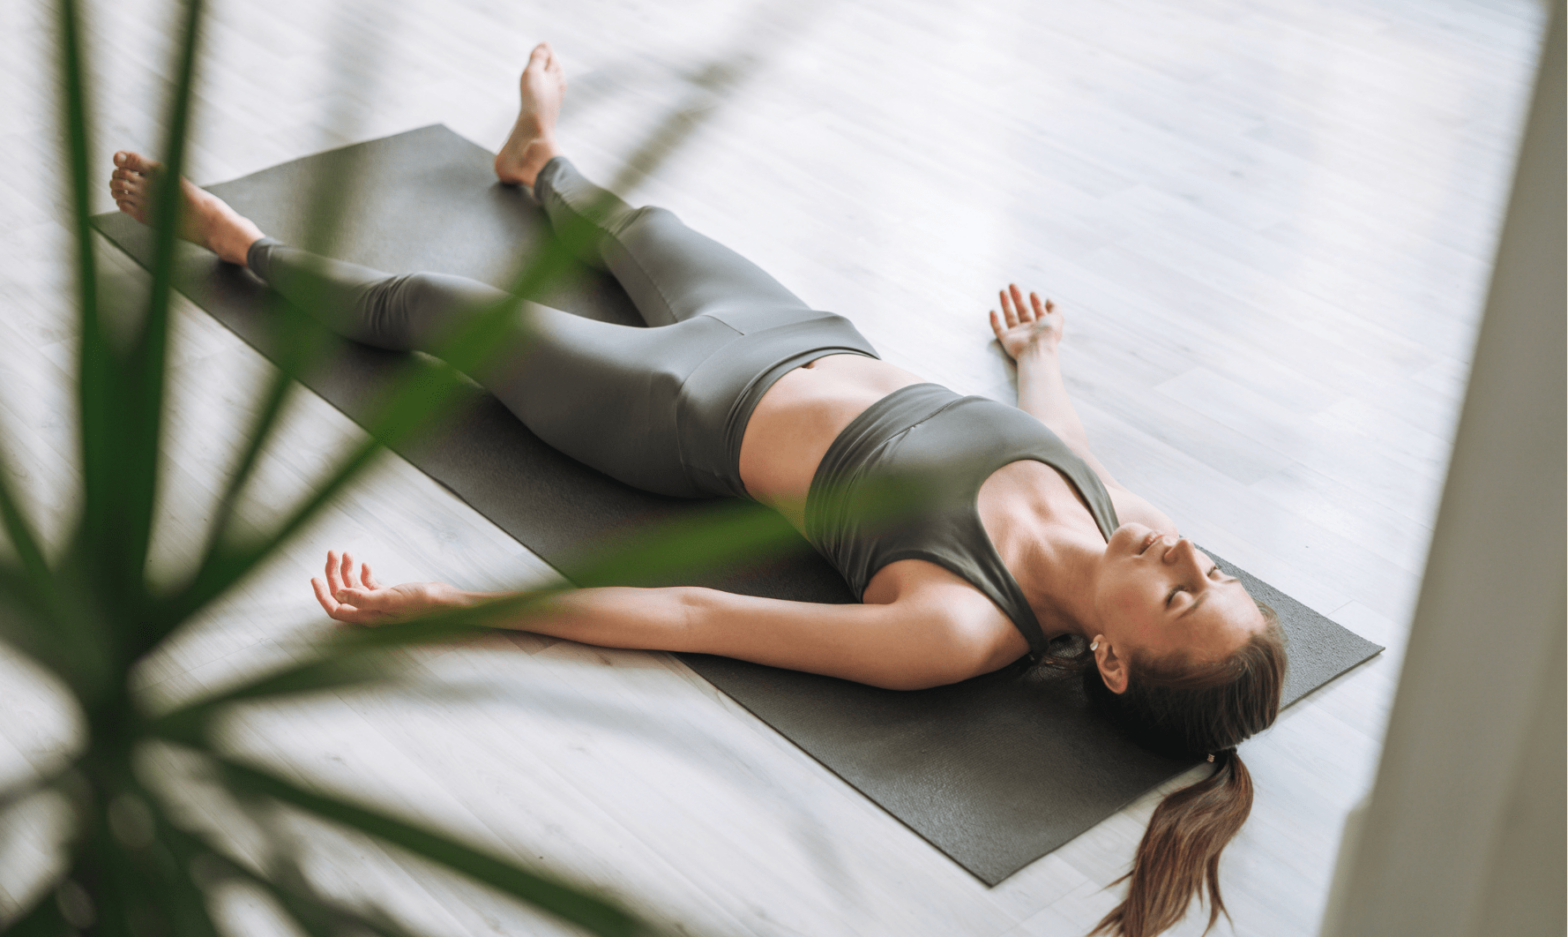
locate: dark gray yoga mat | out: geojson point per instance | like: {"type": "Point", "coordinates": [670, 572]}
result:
{"type": "Point", "coordinates": [995, 772]}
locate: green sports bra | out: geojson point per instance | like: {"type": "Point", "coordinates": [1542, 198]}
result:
{"type": "Point", "coordinates": [901, 481]}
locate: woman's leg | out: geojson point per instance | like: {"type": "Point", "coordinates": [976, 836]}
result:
{"type": "Point", "coordinates": [664, 409]}
{"type": "Point", "coordinates": [606, 395]}
{"type": "Point", "coordinates": [671, 272]}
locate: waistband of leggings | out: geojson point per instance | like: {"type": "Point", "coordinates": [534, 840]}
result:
{"type": "Point", "coordinates": [721, 394]}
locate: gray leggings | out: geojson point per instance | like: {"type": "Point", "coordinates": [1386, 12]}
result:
{"type": "Point", "coordinates": [663, 408]}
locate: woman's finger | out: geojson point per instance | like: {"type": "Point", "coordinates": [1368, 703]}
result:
{"type": "Point", "coordinates": [324, 596]}
{"type": "Point", "coordinates": [365, 577]}
{"type": "Point", "coordinates": [996, 323]}
{"type": "Point", "coordinates": [1018, 301]}
{"type": "Point", "coordinates": [334, 565]}
{"type": "Point", "coordinates": [348, 578]}
{"type": "Point", "coordinates": [1008, 315]}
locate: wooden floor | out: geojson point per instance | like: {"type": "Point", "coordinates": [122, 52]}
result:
{"type": "Point", "coordinates": [1269, 222]}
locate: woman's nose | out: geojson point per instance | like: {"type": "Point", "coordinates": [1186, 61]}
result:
{"type": "Point", "coordinates": [1182, 551]}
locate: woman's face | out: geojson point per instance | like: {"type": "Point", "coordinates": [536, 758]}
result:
{"type": "Point", "coordinates": [1156, 595]}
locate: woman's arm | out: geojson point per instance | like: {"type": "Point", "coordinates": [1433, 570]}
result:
{"type": "Point", "coordinates": [1031, 334]}
{"type": "Point", "coordinates": [905, 645]}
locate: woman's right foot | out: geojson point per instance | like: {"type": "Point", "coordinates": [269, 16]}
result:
{"type": "Point", "coordinates": [205, 219]}
{"type": "Point", "coordinates": [532, 143]}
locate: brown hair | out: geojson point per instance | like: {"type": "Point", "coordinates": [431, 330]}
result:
{"type": "Point", "coordinates": [1176, 708]}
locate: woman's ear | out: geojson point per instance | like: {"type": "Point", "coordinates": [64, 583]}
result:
{"type": "Point", "coordinates": [1113, 669]}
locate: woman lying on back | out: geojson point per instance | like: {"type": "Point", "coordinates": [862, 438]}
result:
{"type": "Point", "coordinates": [973, 532]}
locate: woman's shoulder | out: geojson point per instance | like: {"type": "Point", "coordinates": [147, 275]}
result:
{"type": "Point", "coordinates": [949, 609]}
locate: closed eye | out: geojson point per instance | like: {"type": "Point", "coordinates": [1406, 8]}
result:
{"type": "Point", "coordinates": [1179, 588]}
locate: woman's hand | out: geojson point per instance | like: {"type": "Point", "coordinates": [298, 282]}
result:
{"type": "Point", "coordinates": [1021, 329]}
{"type": "Point", "coordinates": [350, 593]}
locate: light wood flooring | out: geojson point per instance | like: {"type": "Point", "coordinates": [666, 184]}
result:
{"type": "Point", "coordinates": [1270, 224]}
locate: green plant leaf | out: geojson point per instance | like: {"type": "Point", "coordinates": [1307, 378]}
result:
{"type": "Point", "coordinates": [317, 916]}
{"type": "Point", "coordinates": [57, 637]}
{"type": "Point", "coordinates": [146, 365]}
{"type": "Point", "coordinates": [188, 724]}
{"type": "Point", "coordinates": [21, 533]}
{"type": "Point", "coordinates": [21, 625]}
{"type": "Point", "coordinates": [42, 920]}
{"type": "Point", "coordinates": [73, 107]}
{"type": "Point", "coordinates": [725, 533]}
{"type": "Point", "coordinates": [416, 401]}
{"type": "Point", "coordinates": [16, 793]}
{"type": "Point", "coordinates": [120, 392]}
{"type": "Point", "coordinates": [97, 367]}
{"type": "Point", "coordinates": [300, 337]}
{"type": "Point", "coordinates": [352, 658]}
{"type": "Point", "coordinates": [424, 394]}
{"type": "Point", "coordinates": [593, 914]}
{"type": "Point", "coordinates": [300, 341]}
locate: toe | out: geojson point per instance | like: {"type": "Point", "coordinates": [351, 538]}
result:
{"type": "Point", "coordinates": [134, 162]}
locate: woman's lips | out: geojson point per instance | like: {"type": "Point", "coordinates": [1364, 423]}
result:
{"type": "Point", "coordinates": [1149, 541]}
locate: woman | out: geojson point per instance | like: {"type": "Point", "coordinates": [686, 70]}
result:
{"type": "Point", "coordinates": [1021, 536]}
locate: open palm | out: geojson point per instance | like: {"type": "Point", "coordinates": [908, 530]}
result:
{"type": "Point", "coordinates": [349, 593]}
{"type": "Point", "coordinates": [1022, 328]}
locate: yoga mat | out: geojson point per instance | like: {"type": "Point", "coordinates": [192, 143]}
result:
{"type": "Point", "coordinates": [995, 772]}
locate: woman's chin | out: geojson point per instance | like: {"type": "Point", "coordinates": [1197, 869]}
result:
{"type": "Point", "coordinates": [1127, 539]}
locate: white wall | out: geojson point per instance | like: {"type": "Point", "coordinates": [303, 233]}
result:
{"type": "Point", "coordinates": [1464, 830]}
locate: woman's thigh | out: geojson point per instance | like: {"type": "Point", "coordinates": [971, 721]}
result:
{"type": "Point", "coordinates": [671, 272]}
{"type": "Point", "coordinates": [609, 396]}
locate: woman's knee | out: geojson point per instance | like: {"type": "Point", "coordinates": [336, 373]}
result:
{"type": "Point", "coordinates": [649, 221]}
{"type": "Point", "coordinates": [423, 310]}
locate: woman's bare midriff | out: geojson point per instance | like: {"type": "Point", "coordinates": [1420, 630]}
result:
{"type": "Point", "coordinates": [799, 417]}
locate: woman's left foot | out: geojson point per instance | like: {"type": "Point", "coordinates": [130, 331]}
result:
{"type": "Point", "coordinates": [532, 142]}
{"type": "Point", "coordinates": [205, 219]}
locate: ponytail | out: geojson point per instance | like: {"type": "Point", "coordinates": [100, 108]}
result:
{"type": "Point", "coordinates": [1180, 709]}
{"type": "Point", "coordinates": [1180, 853]}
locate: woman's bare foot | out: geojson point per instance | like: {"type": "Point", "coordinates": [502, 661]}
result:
{"type": "Point", "coordinates": [532, 143]}
{"type": "Point", "coordinates": [205, 219]}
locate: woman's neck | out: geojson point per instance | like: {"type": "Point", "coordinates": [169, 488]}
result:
{"type": "Point", "coordinates": [1058, 575]}
{"type": "Point", "coordinates": [1048, 540]}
